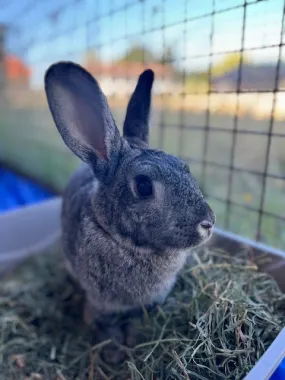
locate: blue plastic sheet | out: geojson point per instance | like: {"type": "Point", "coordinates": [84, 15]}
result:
{"type": "Point", "coordinates": [279, 373]}
{"type": "Point", "coordinates": [16, 191]}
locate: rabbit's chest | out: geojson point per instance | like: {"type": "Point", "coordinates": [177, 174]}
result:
{"type": "Point", "coordinates": [116, 275]}
{"type": "Point", "coordinates": [153, 281]}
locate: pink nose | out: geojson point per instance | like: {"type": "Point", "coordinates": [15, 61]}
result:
{"type": "Point", "coordinates": [206, 225]}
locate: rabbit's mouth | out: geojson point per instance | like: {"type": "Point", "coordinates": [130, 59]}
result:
{"type": "Point", "coordinates": [205, 227]}
{"type": "Point", "coordinates": [204, 232]}
{"type": "Point", "coordinates": [191, 238]}
{"type": "Point", "coordinates": [202, 235]}
{"type": "Point", "coordinates": [189, 235]}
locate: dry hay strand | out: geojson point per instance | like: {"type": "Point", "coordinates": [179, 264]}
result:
{"type": "Point", "coordinates": [221, 317]}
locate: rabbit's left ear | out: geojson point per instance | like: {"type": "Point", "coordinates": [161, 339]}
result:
{"type": "Point", "coordinates": [82, 116]}
{"type": "Point", "coordinates": [136, 123]}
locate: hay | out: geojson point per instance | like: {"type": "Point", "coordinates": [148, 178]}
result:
{"type": "Point", "coordinates": [221, 317]}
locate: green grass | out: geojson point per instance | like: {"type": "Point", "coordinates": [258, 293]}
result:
{"type": "Point", "coordinates": [30, 142]}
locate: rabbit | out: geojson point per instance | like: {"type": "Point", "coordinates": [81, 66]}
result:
{"type": "Point", "coordinates": [131, 214]}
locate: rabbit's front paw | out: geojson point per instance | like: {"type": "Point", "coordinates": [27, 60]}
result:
{"type": "Point", "coordinates": [112, 353]}
{"type": "Point", "coordinates": [88, 317]}
{"type": "Point", "coordinates": [90, 313]}
{"type": "Point", "coordinates": [132, 337]}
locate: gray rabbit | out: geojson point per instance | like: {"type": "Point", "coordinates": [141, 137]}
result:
{"type": "Point", "coordinates": [130, 214]}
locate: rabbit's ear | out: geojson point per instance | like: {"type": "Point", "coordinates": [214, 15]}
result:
{"type": "Point", "coordinates": [137, 118]}
{"type": "Point", "coordinates": [81, 113]}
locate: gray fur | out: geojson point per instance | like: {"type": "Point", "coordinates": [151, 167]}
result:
{"type": "Point", "coordinates": [124, 251]}
{"type": "Point", "coordinates": [136, 125]}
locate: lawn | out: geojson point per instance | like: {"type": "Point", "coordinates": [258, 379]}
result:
{"type": "Point", "coordinates": [30, 142]}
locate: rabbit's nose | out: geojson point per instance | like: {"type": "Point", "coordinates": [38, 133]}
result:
{"type": "Point", "coordinates": [208, 218]}
{"type": "Point", "coordinates": [206, 225]}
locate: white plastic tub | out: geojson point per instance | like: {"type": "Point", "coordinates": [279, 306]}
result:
{"type": "Point", "coordinates": [28, 231]}
{"type": "Point", "coordinates": [271, 261]}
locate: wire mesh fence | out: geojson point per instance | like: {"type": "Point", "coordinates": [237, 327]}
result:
{"type": "Point", "coordinates": [217, 101]}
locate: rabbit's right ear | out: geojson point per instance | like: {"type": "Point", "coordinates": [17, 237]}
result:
{"type": "Point", "coordinates": [81, 114]}
{"type": "Point", "coordinates": [136, 123]}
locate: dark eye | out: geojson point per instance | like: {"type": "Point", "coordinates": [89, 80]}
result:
{"type": "Point", "coordinates": [143, 186]}
{"type": "Point", "coordinates": [187, 169]}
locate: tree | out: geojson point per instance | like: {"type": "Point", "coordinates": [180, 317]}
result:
{"type": "Point", "coordinates": [229, 63]}
{"type": "Point", "coordinates": [138, 53]}
{"type": "Point", "coordinates": [197, 82]}
{"type": "Point", "coordinates": [167, 56]}
{"type": "Point", "coordinates": [90, 57]}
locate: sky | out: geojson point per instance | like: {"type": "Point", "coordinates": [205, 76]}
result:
{"type": "Point", "coordinates": [45, 31]}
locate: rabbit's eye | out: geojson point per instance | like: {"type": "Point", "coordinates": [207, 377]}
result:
{"type": "Point", "coordinates": [143, 186]}
{"type": "Point", "coordinates": [187, 169]}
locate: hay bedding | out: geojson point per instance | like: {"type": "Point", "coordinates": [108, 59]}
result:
{"type": "Point", "coordinates": [221, 317]}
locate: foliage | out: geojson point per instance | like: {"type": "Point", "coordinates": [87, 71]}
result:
{"type": "Point", "coordinates": [138, 53]}
{"type": "Point", "coordinates": [229, 63]}
{"type": "Point", "coordinates": [90, 57]}
{"type": "Point", "coordinates": [197, 83]}
{"type": "Point", "coordinates": [167, 56]}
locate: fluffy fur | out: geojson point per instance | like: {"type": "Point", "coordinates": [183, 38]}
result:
{"type": "Point", "coordinates": [124, 250]}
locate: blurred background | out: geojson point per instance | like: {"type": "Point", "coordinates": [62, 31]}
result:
{"type": "Point", "coordinates": [218, 99]}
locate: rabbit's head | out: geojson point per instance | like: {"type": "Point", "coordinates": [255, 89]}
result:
{"type": "Point", "coordinates": [145, 197]}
